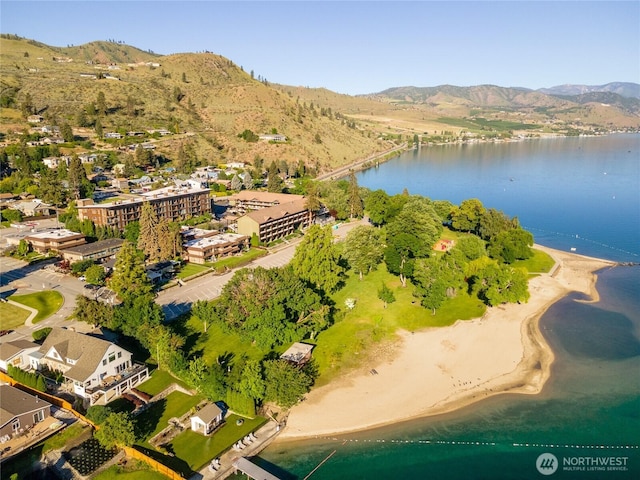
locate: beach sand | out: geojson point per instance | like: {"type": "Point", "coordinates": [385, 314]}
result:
{"type": "Point", "coordinates": [442, 369]}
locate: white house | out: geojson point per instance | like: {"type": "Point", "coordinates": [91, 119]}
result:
{"type": "Point", "coordinates": [99, 370]}
{"type": "Point", "coordinates": [16, 353]}
{"type": "Point", "coordinates": [206, 419]}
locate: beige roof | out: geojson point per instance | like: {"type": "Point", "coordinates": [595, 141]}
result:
{"type": "Point", "coordinates": [209, 413]}
{"type": "Point", "coordinates": [11, 349]}
{"type": "Point", "coordinates": [297, 352]}
{"type": "Point", "coordinates": [248, 195]}
{"type": "Point", "coordinates": [86, 350]}
{"type": "Point", "coordinates": [14, 402]}
{"type": "Point", "coordinates": [278, 211]}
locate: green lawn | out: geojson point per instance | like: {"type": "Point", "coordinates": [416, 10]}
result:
{"type": "Point", "coordinates": [539, 263]}
{"type": "Point", "coordinates": [356, 336]}
{"type": "Point", "coordinates": [197, 450]}
{"type": "Point", "coordinates": [141, 472]}
{"type": "Point", "coordinates": [191, 269]}
{"type": "Point", "coordinates": [156, 418]}
{"type": "Point", "coordinates": [216, 343]}
{"type": "Point", "coordinates": [47, 303]}
{"type": "Point", "coordinates": [235, 262]}
{"type": "Point", "coordinates": [12, 316]}
{"type": "Point", "coordinates": [160, 379]}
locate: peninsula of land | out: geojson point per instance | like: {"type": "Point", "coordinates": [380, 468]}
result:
{"type": "Point", "coordinates": [442, 369]}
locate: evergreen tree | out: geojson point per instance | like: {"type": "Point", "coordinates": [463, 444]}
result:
{"type": "Point", "coordinates": [148, 241]}
{"type": "Point", "coordinates": [98, 128]}
{"type": "Point", "coordinates": [101, 106]}
{"type": "Point", "coordinates": [130, 279]}
{"type": "Point", "coordinates": [317, 260]}
{"type": "Point", "coordinates": [236, 183]}
{"type": "Point", "coordinates": [356, 207]}
{"type": "Point", "coordinates": [66, 132]}
{"type": "Point", "coordinates": [274, 180]}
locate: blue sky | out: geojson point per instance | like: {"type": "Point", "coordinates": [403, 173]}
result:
{"type": "Point", "coordinates": [364, 46]}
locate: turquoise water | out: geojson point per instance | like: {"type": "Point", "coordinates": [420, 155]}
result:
{"type": "Point", "coordinates": [590, 407]}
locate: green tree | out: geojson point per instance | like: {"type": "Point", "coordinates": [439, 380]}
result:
{"type": "Point", "coordinates": [386, 295]}
{"type": "Point", "coordinates": [356, 206]}
{"type": "Point", "coordinates": [274, 180]}
{"type": "Point", "coordinates": [148, 241]}
{"type": "Point", "coordinates": [132, 232]}
{"type": "Point", "coordinates": [493, 221]}
{"type": "Point", "coordinates": [252, 382]}
{"type": "Point", "coordinates": [116, 431]}
{"type": "Point", "coordinates": [470, 246]}
{"type": "Point", "coordinates": [51, 190]}
{"type": "Point", "coordinates": [23, 248]}
{"type": "Point", "coordinates": [377, 206]}
{"type": "Point", "coordinates": [511, 245]}
{"type": "Point", "coordinates": [285, 384]}
{"type": "Point", "coordinates": [467, 216]}
{"type": "Point", "coordinates": [496, 284]}
{"type": "Point", "coordinates": [95, 274]}
{"type": "Point", "coordinates": [247, 181]}
{"type": "Point", "coordinates": [312, 200]}
{"type": "Point", "coordinates": [11, 215]}
{"type": "Point", "coordinates": [93, 312]}
{"type": "Point", "coordinates": [79, 185]}
{"type": "Point", "coordinates": [98, 128]}
{"type": "Point", "coordinates": [316, 260]}
{"type": "Point", "coordinates": [101, 104]}
{"type": "Point", "coordinates": [26, 107]}
{"type": "Point", "coordinates": [410, 235]}
{"type": "Point", "coordinates": [364, 249]}
{"type": "Point", "coordinates": [130, 278]}
{"type": "Point", "coordinates": [66, 132]}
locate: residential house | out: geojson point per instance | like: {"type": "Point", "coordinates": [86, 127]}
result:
{"type": "Point", "coordinates": [113, 135]}
{"type": "Point", "coordinates": [19, 411]}
{"type": "Point", "coordinates": [120, 183]}
{"type": "Point", "coordinates": [206, 419]}
{"type": "Point", "coordinates": [35, 119]}
{"type": "Point", "coordinates": [17, 354]}
{"type": "Point", "coordinates": [33, 208]}
{"type": "Point", "coordinates": [55, 162]}
{"type": "Point", "coordinates": [99, 370]}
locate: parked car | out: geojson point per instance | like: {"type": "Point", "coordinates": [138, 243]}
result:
{"type": "Point", "coordinates": [5, 332]}
{"type": "Point", "coordinates": [82, 278]}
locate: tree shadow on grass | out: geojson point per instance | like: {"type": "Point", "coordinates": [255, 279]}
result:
{"type": "Point", "coordinates": [146, 422]}
{"type": "Point", "coordinates": [174, 463]}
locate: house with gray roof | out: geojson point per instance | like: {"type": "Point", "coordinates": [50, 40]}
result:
{"type": "Point", "coordinates": [19, 411]}
{"type": "Point", "coordinates": [17, 353]}
{"type": "Point", "coordinates": [98, 370]}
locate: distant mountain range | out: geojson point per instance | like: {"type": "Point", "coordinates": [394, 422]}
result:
{"type": "Point", "coordinates": [624, 89]}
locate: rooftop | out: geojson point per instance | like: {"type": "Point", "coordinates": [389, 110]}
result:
{"type": "Point", "coordinates": [55, 234]}
{"type": "Point", "coordinates": [220, 239]}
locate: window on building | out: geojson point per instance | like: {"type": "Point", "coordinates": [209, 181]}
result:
{"type": "Point", "coordinates": [38, 416]}
{"type": "Point", "coordinates": [15, 426]}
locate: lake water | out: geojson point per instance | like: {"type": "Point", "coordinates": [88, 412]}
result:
{"type": "Point", "coordinates": [581, 193]}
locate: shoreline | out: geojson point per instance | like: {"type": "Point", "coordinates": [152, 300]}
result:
{"type": "Point", "coordinates": [442, 369]}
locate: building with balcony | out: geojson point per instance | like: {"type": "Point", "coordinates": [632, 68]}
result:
{"type": "Point", "coordinates": [272, 223]}
{"type": "Point", "coordinates": [209, 249]}
{"type": "Point", "coordinates": [170, 203]}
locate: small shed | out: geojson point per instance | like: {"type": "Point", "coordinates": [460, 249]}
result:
{"type": "Point", "coordinates": [206, 419]}
{"type": "Point", "coordinates": [298, 353]}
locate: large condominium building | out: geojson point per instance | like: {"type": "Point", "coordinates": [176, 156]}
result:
{"type": "Point", "coordinates": [170, 203]}
{"type": "Point", "coordinates": [272, 223]}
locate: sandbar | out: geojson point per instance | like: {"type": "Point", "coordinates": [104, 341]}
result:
{"type": "Point", "coordinates": [439, 370]}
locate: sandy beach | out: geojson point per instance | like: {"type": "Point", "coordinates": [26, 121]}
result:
{"type": "Point", "coordinates": [442, 369]}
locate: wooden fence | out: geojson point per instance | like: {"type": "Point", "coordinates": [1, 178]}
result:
{"type": "Point", "coordinates": [154, 464]}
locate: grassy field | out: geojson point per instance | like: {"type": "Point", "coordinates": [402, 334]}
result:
{"type": "Point", "coordinates": [235, 262]}
{"type": "Point", "coordinates": [47, 303]}
{"type": "Point", "coordinates": [156, 418]}
{"type": "Point", "coordinates": [539, 263]}
{"type": "Point", "coordinates": [197, 450]}
{"type": "Point", "coordinates": [137, 471]}
{"type": "Point", "coordinates": [160, 379]}
{"type": "Point", "coordinates": [365, 332]}
{"type": "Point", "coordinates": [191, 269]}
{"type": "Point", "coordinates": [12, 316]}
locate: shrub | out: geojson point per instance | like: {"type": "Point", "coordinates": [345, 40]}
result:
{"type": "Point", "coordinates": [33, 380]}
{"type": "Point", "coordinates": [41, 334]}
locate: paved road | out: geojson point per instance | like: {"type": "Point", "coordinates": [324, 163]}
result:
{"type": "Point", "coordinates": [18, 277]}
{"type": "Point", "coordinates": [178, 300]}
